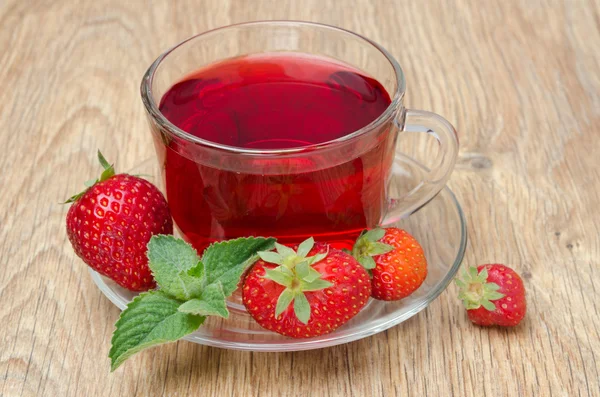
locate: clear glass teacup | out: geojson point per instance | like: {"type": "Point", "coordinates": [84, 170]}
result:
{"type": "Point", "coordinates": [329, 190]}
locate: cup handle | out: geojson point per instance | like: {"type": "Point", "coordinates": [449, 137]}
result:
{"type": "Point", "coordinates": [436, 178]}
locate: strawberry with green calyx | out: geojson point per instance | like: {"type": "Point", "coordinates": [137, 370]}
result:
{"type": "Point", "coordinates": [493, 295]}
{"type": "Point", "coordinates": [110, 223]}
{"type": "Point", "coordinates": [191, 288]}
{"type": "Point", "coordinates": [395, 259]}
{"type": "Point", "coordinates": [368, 245]}
{"type": "Point", "coordinates": [305, 292]}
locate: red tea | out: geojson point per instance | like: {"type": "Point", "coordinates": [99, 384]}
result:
{"type": "Point", "coordinates": [276, 101]}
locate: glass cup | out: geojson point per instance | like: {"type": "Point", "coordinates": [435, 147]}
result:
{"type": "Point", "coordinates": [330, 190]}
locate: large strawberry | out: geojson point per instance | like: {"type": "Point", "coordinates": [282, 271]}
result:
{"type": "Point", "coordinates": [493, 295]}
{"type": "Point", "coordinates": [396, 260]}
{"type": "Point", "coordinates": [305, 292]}
{"type": "Point", "coordinates": [110, 224]}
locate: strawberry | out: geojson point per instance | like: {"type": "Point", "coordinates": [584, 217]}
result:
{"type": "Point", "coordinates": [493, 295]}
{"type": "Point", "coordinates": [305, 292]}
{"type": "Point", "coordinates": [110, 224]}
{"type": "Point", "coordinates": [396, 261]}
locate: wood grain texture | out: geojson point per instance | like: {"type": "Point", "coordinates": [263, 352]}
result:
{"type": "Point", "coordinates": [519, 79]}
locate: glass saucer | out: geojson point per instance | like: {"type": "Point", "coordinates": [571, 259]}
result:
{"type": "Point", "coordinates": [440, 228]}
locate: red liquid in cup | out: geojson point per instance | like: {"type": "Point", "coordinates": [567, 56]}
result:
{"type": "Point", "coordinates": [276, 101]}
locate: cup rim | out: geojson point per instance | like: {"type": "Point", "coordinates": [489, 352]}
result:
{"type": "Point", "coordinates": [164, 123]}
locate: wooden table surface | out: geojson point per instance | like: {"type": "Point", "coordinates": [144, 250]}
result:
{"type": "Point", "coordinates": [519, 79]}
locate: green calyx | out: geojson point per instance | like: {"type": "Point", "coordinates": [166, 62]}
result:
{"type": "Point", "coordinates": [296, 274]}
{"type": "Point", "coordinates": [109, 171]}
{"type": "Point", "coordinates": [368, 245]}
{"type": "Point", "coordinates": [475, 291]}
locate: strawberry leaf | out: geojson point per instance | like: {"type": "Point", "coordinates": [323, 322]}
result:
{"type": "Point", "coordinates": [279, 277]}
{"type": "Point", "coordinates": [488, 305]}
{"type": "Point", "coordinates": [379, 249]}
{"type": "Point", "coordinates": [367, 262]}
{"type": "Point", "coordinates": [271, 257]}
{"type": "Point", "coordinates": [315, 285]}
{"type": "Point", "coordinates": [494, 295]}
{"type": "Point", "coordinates": [286, 270]}
{"type": "Point", "coordinates": [150, 319]}
{"type": "Point", "coordinates": [317, 258]}
{"type": "Point", "coordinates": [312, 275]}
{"type": "Point", "coordinates": [301, 307]}
{"type": "Point", "coordinates": [303, 269]}
{"type": "Point", "coordinates": [374, 234]}
{"type": "Point", "coordinates": [284, 251]}
{"type": "Point", "coordinates": [225, 262]}
{"type": "Point", "coordinates": [171, 261]}
{"type": "Point", "coordinates": [305, 247]}
{"type": "Point", "coordinates": [284, 300]}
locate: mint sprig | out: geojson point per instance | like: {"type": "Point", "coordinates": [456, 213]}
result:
{"type": "Point", "coordinates": [150, 319]}
{"type": "Point", "coordinates": [190, 289]}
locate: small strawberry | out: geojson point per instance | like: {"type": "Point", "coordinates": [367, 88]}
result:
{"type": "Point", "coordinates": [305, 292]}
{"type": "Point", "coordinates": [111, 222]}
{"type": "Point", "coordinates": [396, 261]}
{"type": "Point", "coordinates": [493, 295]}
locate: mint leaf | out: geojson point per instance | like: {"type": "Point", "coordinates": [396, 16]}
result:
{"type": "Point", "coordinates": [225, 262]}
{"type": "Point", "coordinates": [211, 303]}
{"type": "Point", "coordinates": [150, 319]}
{"type": "Point", "coordinates": [175, 266]}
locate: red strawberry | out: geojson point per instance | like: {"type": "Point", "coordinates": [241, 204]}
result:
{"type": "Point", "coordinates": [305, 293]}
{"type": "Point", "coordinates": [397, 261]}
{"type": "Point", "coordinates": [493, 295]}
{"type": "Point", "coordinates": [110, 224]}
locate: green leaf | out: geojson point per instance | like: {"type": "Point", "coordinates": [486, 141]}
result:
{"type": "Point", "coordinates": [170, 260]}
{"type": "Point", "coordinates": [367, 262]}
{"type": "Point", "coordinates": [315, 285]}
{"type": "Point", "coordinates": [488, 305]}
{"type": "Point", "coordinates": [103, 161]}
{"type": "Point", "coordinates": [271, 257]}
{"type": "Point", "coordinates": [460, 283]}
{"type": "Point", "coordinates": [379, 248]}
{"type": "Point", "coordinates": [303, 269]}
{"type": "Point", "coordinates": [109, 170]}
{"type": "Point", "coordinates": [317, 258]}
{"type": "Point", "coordinates": [473, 272]}
{"type": "Point", "coordinates": [301, 307]}
{"type": "Point", "coordinates": [483, 275]}
{"type": "Point", "coordinates": [312, 275]}
{"type": "Point", "coordinates": [305, 247]}
{"type": "Point", "coordinates": [226, 261]}
{"type": "Point", "coordinates": [150, 319]}
{"type": "Point", "coordinates": [494, 295]}
{"type": "Point", "coordinates": [285, 270]}
{"type": "Point", "coordinates": [284, 251]}
{"type": "Point", "coordinates": [211, 303]}
{"type": "Point", "coordinates": [279, 277]}
{"type": "Point", "coordinates": [492, 287]}
{"type": "Point", "coordinates": [374, 234]}
{"type": "Point", "coordinates": [197, 271]}
{"type": "Point", "coordinates": [284, 300]}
